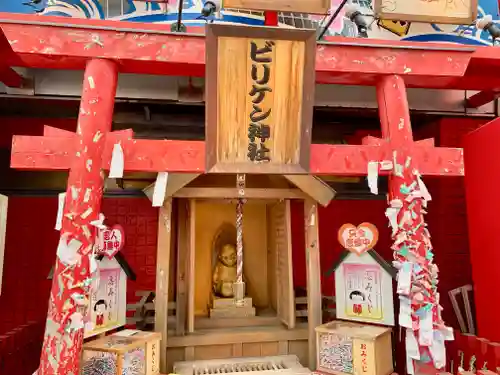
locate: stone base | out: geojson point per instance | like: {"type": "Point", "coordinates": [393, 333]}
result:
{"type": "Point", "coordinates": [224, 303]}
{"type": "Point", "coordinates": [233, 312]}
{"type": "Point", "coordinates": [226, 308]}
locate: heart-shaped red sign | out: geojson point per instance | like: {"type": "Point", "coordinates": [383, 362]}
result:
{"type": "Point", "coordinates": [358, 239]}
{"type": "Point", "coordinates": [111, 241]}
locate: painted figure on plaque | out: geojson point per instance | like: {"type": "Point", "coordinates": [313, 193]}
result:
{"type": "Point", "coordinates": [100, 309]}
{"type": "Point", "coordinates": [358, 300]}
{"type": "Point", "coordinates": [225, 272]}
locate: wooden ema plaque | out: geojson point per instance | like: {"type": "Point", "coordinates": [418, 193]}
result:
{"type": "Point", "coordinates": [292, 6]}
{"type": "Point", "coordinates": [259, 99]}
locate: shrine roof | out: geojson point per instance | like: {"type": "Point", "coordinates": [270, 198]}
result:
{"type": "Point", "coordinates": [47, 42]}
{"type": "Point", "coordinates": [374, 255]}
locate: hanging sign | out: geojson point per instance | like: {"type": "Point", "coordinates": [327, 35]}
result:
{"type": "Point", "coordinates": [292, 6]}
{"type": "Point", "coordinates": [358, 239]}
{"type": "Point", "coordinates": [259, 99]}
{"type": "Point", "coordinates": [457, 12]}
{"type": "Point", "coordinates": [111, 240]}
{"type": "Point", "coordinates": [108, 300]}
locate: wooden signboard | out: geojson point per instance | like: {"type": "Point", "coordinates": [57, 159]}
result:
{"type": "Point", "coordinates": [259, 99]}
{"type": "Point", "coordinates": [108, 302]}
{"type": "Point", "coordinates": [3, 232]}
{"type": "Point", "coordinates": [292, 6]}
{"type": "Point", "coordinates": [436, 11]}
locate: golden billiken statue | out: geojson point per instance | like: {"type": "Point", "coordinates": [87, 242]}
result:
{"type": "Point", "coordinates": [225, 272]}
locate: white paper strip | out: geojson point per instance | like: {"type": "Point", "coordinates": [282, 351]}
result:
{"type": "Point", "coordinates": [438, 350]}
{"type": "Point", "coordinates": [68, 252]}
{"type": "Point", "coordinates": [373, 177]}
{"type": "Point", "coordinates": [426, 336]}
{"type": "Point", "coordinates": [404, 278]}
{"type": "Point", "coordinates": [423, 189]}
{"type": "Point", "coordinates": [99, 223]}
{"type": "Point", "coordinates": [412, 350]}
{"type": "Point", "coordinates": [117, 162]}
{"type": "Point", "coordinates": [60, 210]}
{"type": "Point", "coordinates": [160, 189]}
{"type": "Point", "coordinates": [405, 312]}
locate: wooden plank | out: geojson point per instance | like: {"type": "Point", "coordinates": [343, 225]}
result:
{"type": "Point", "coordinates": [462, 12]}
{"type": "Point", "coordinates": [163, 277]}
{"type": "Point", "coordinates": [313, 271]}
{"type": "Point", "coordinates": [175, 182]}
{"type": "Point", "coordinates": [280, 233]}
{"type": "Point", "coordinates": [242, 334]}
{"type": "Point", "coordinates": [191, 264]}
{"type": "Point", "coordinates": [314, 187]}
{"type": "Point", "coordinates": [3, 233]}
{"type": "Point", "coordinates": [292, 6]}
{"type": "Point", "coordinates": [275, 97]}
{"type": "Point", "coordinates": [182, 264]}
{"type": "Point", "coordinates": [250, 193]}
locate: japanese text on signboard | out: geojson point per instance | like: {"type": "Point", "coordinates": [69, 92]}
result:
{"type": "Point", "coordinates": [364, 362]}
{"type": "Point", "coordinates": [257, 129]}
{"type": "Point", "coordinates": [363, 291]}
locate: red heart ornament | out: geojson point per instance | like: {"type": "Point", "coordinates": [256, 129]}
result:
{"type": "Point", "coordinates": [111, 240]}
{"type": "Point", "coordinates": [358, 239]}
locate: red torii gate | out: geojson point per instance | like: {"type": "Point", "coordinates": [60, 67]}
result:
{"type": "Point", "coordinates": [89, 151]}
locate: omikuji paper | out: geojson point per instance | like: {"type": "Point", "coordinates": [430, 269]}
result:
{"type": "Point", "coordinates": [60, 210]}
{"type": "Point", "coordinates": [373, 177]}
{"type": "Point", "coordinates": [117, 162]}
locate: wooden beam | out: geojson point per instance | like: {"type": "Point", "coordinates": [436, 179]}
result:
{"type": "Point", "coordinates": [142, 50]}
{"type": "Point", "coordinates": [232, 193]}
{"type": "Point", "coordinates": [3, 233]}
{"type": "Point", "coordinates": [56, 153]}
{"type": "Point", "coordinates": [162, 278]}
{"type": "Point", "coordinates": [175, 182]}
{"type": "Point", "coordinates": [9, 77]}
{"type": "Point", "coordinates": [191, 263]}
{"type": "Point", "coordinates": [314, 187]}
{"type": "Point", "coordinates": [313, 272]}
{"type": "Point", "coordinates": [481, 98]}
{"type": "Point", "coordinates": [182, 267]}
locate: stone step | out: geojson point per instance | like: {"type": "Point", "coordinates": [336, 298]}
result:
{"type": "Point", "coordinates": [233, 312]}
{"type": "Point", "coordinates": [222, 303]}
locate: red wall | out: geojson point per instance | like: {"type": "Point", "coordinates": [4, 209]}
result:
{"type": "Point", "coordinates": [31, 246]}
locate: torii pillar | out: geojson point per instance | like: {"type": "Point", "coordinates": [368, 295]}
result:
{"type": "Point", "coordinates": [63, 335]}
{"type": "Point", "coordinates": [412, 246]}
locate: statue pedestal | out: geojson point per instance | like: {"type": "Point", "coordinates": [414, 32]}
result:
{"type": "Point", "coordinates": [226, 308]}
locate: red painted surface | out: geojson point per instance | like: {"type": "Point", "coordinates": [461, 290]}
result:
{"type": "Point", "coordinates": [149, 49]}
{"type": "Point", "coordinates": [482, 98]}
{"type": "Point", "coordinates": [52, 152]}
{"type": "Point", "coordinates": [271, 18]}
{"type": "Point", "coordinates": [483, 204]}
{"type": "Point", "coordinates": [7, 75]}
{"type": "Point", "coordinates": [62, 345]}
{"type": "Point", "coordinates": [396, 130]}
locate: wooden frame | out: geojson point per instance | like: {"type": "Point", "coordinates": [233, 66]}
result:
{"type": "Point", "coordinates": [214, 34]}
{"type": "Point", "coordinates": [313, 274]}
{"type": "Point", "coordinates": [3, 233]}
{"type": "Point", "coordinates": [293, 6]}
{"type": "Point", "coordinates": [387, 15]}
{"type": "Point", "coordinates": [163, 277]}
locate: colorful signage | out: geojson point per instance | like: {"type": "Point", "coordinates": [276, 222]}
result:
{"type": "Point", "coordinates": [358, 239]}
